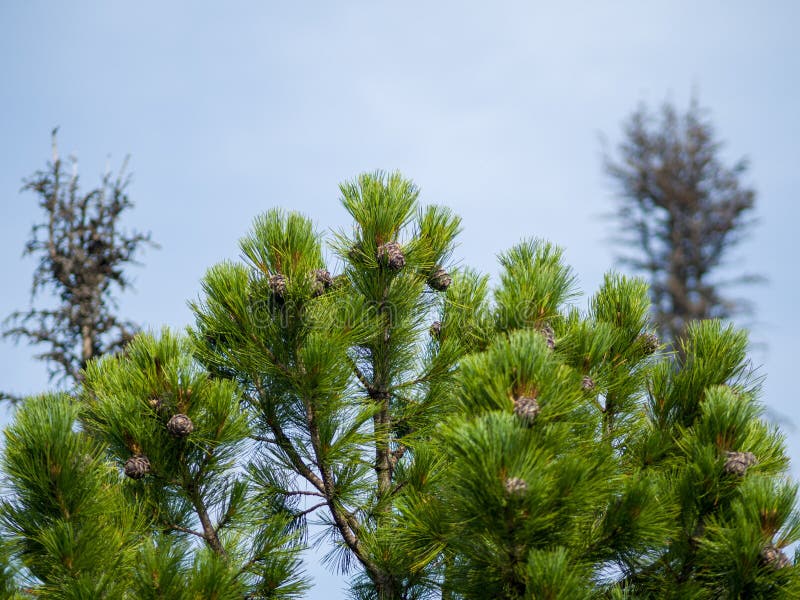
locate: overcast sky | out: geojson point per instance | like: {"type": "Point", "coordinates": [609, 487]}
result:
{"type": "Point", "coordinates": [493, 108]}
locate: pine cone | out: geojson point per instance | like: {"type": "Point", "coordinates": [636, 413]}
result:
{"type": "Point", "coordinates": [277, 284]}
{"type": "Point", "coordinates": [322, 282]}
{"type": "Point", "coordinates": [440, 279]}
{"type": "Point", "coordinates": [160, 402]}
{"type": "Point", "coordinates": [736, 463]}
{"type": "Point", "coordinates": [180, 425]}
{"type": "Point", "coordinates": [391, 255]}
{"type": "Point", "coordinates": [515, 486]}
{"type": "Point", "coordinates": [137, 466]}
{"type": "Point", "coordinates": [436, 329]}
{"type": "Point", "coordinates": [649, 342]}
{"type": "Point", "coordinates": [549, 335]}
{"type": "Point", "coordinates": [773, 557]}
{"type": "Point", "coordinates": [588, 384]}
{"type": "Point", "coordinates": [526, 408]}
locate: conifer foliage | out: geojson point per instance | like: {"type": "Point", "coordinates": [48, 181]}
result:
{"type": "Point", "coordinates": [454, 440]}
{"type": "Point", "coordinates": [337, 383]}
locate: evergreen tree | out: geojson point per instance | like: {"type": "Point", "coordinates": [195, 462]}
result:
{"type": "Point", "coordinates": [583, 465]}
{"type": "Point", "coordinates": [334, 372]}
{"type": "Point", "coordinates": [682, 210]}
{"type": "Point", "coordinates": [82, 253]}
{"type": "Point", "coordinates": [456, 441]}
{"type": "Point", "coordinates": [70, 530]}
{"type": "Point", "coordinates": [146, 499]}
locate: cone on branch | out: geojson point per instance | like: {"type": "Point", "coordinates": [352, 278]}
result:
{"type": "Point", "coordinates": [737, 463]}
{"type": "Point", "coordinates": [440, 280]}
{"type": "Point", "coordinates": [322, 282]}
{"type": "Point", "coordinates": [137, 466]}
{"type": "Point", "coordinates": [549, 335]}
{"type": "Point", "coordinates": [391, 255]}
{"type": "Point", "coordinates": [156, 403]}
{"type": "Point", "coordinates": [277, 285]}
{"type": "Point", "coordinates": [526, 408]}
{"type": "Point", "coordinates": [180, 425]}
{"type": "Point", "coordinates": [436, 329]}
{"type": "Point", "coordinates": [649, 343]}
{"type": "Point", "coordinates": [774, 557]}
{"type": "Point", "coordinates": [587, 384]}
{"type": "Point", "coordinates": [515, 486]}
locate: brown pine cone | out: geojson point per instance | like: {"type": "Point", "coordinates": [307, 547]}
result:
{"type": "Point", "coordinates": [436, 329]}
{"type": "Point", "coordinates": [526, 408]}
{"type": "Point", "coordinates": [277, 284]}
{"type": "Point", "coordinates": [137, 466]}
{"type": "Point", "coordinates": [322, 282]}
{"type": "Point", "coordinates": [391, 255]}
{"type": "Point", "coordinates": [549, 335]}
{"type": "Point", "coordinates": [180, 425]}
{"type": "Point", "coordinates": [773, 557]}
{"type": "Point", "coordinates": [515, 486]}
{"type": "Point", "coordinates": [440, 280]}
{"type": "Point", "coordinates": [737, 463]}
{"type": "Point", "coordinates": [649, 342]}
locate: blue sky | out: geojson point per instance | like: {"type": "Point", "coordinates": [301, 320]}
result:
{"type": "Point", "coordinates": [494, 109]}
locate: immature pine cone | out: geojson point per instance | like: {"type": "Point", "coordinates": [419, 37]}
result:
{"type": "Point", "coordinates": [137, 466]}
{"type": "Point", "coordinates": [773, 557]}
{"type": "Point", "coordinates": [180, 425]}
{"type": "Point", "coordinates": [436, 329]}
{"type": "Point", "coordinates": [736, 463]}
{"type": "Point", "coordinates": [322, 281]}
{"type": "Point", "coordinates": [391, 255]}
{"type": "Point", "coordinates": [277, 283]}
{"type": "Point", "coordinates": [649, 342]}
{"type": "Point", "coordinates": [588, 383]}
{"type": "Point", "coordinates": [549, 335]}
{"type": "Point", "coordinates": [526, 408]}
{"type": "Point", "coordinates": [440, 279]}
{"type": "Point", "coordinates": [515, 486]}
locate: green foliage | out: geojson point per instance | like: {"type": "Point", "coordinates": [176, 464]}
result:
{"type": "Point", "coordinates": [193, 487]}
{"type": "Point", "coordinates": [453, 440]}
{"type": "Point", "coordinates": [68, 523]}
{"type": "Point", "coordinates": [81, 530]}
{"type": "Point", "coordinates": [341, 381]}
{"type": "Point", "coordinates": [534, 284]}
{"type": "Point", "coordinates": [618, 480]}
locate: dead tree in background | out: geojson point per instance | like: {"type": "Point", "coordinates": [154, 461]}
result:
{"type": "Point", "coordinates": [82, 254]}
{"type": "Point", "coordinates": [680, 209]}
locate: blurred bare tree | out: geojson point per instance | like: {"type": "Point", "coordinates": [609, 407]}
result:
{"type": "Point", "coordinates": [681, 209]}
{"type": "Point", "coordinates": [82, 254]}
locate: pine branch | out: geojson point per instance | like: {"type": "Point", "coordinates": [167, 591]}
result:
{"type": "Point", "coordinates": [209, 532]}
{"type": "Point", "coordinates": [173, 527]}
{"type": "Point", "coordinates": [285, 444]}
{"type": "Point", "coordinates": [359, 374]}
{"type": "Point", "coordinates": [307, 511]}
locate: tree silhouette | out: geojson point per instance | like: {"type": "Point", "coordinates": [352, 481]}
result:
{"type": "Point", "coordinates": [681, 209]}
{"type": "Point", "coordinates": [82, 254]}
